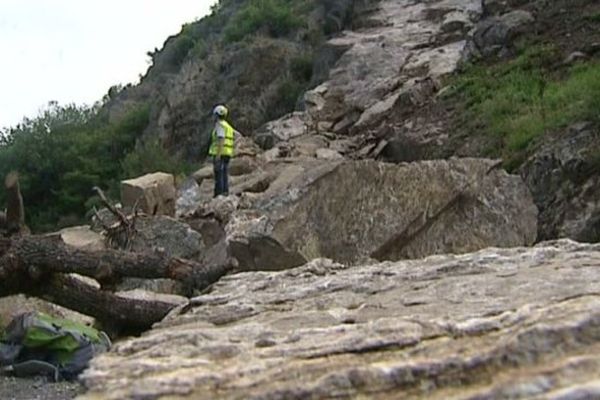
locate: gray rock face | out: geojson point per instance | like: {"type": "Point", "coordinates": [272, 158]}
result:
{"type": "Point", "coordinates": [499, 7]}
{"type": "Point", "coordinates": [283, 129]}
{"type": "Point", "coordinates": [391, 62]}
{"type": "Point", "coordinates": [168, 235]}
{"type": "Point", "coordinates": [381, 63]}
{"type": "Point", "coordinates": [350, 210]}
{"type": "Point", "coordinates": [496, 324]}
{"type": "Point", "coordinates": [497, 33]}
{"type": "Point", "coordinates": [562, 176]}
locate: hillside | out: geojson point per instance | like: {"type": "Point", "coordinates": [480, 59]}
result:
{"type": "Point", "coordinates": [236, 55]}
{"type": "Point", "coordinates": [401, 167]}
{"type": "Point", "coordinates": [523, 85]}
{"type": "Point", "coordinates": [256, 56]}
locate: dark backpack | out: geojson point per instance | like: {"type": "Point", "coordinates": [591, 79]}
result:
{"type": "Point", "coordinates": [38, 344]}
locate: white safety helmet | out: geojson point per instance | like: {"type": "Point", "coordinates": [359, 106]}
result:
{"type": "Point", "coordinates": [220, 111]}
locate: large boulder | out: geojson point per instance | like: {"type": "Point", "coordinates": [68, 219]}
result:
{"type": "Point", "coordinates": [206, 172]}
{"type": "Point", "coordinates": [166, 235]}
{"type": "Point", "coordinates": [170, 237]}
{"type": "Point", "coordinates": [348, 211]}
{"type": "Point", "coordinates": [495, 34]}
{"type": "Point", "coordinates": [497, 324]}
{"type": "Point", "coordinates": [154, 193]}
{"type": "Point", "coordinates": [286, 128]}
{"type": "Point", "coordinates": [308, 145]}
{"type": "Point", "coordinates": [564, 181]}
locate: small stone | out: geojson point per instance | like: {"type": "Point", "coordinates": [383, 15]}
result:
{"type": "Point", "coordinates": [265, 343]}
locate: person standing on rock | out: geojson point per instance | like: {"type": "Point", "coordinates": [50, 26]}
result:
{"type": "Point", "coordinates": [221, 149]}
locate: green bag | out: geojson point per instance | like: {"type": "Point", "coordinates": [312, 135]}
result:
{"type": "Point", "coordinates": [38, 344]}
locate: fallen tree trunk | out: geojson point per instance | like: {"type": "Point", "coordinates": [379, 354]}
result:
{"type": "Point", "coordinates": [115, 313]}
{"type": "Point", "coordinates": [36, 265]}
{"type": "Point", "coordinates": [108, 266]}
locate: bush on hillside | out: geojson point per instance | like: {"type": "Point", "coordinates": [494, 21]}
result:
{"type": "Point", "coordinates": [595, 17]}
{"type": "Point", "coordinates": [524, 99]}
{"type": "Point", "coordinates": [62, 154]}
{"type": "Point", "coordinates": [301, 67]}
{"type": "Point", "coordinates": [275, 17]}
{"type": "Point", "coordinates": [150, 157]}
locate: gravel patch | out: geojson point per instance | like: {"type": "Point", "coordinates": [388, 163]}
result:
{"type": "Point", "coordinates": [37, 389]}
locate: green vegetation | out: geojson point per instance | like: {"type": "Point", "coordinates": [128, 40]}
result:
{"type": "Point", "coordinates": [595, 17]}
{"type": "Point", "coordinates": [301, 67]}
{"type": "Point", "coordinates": [65, 151]}
{"type": "Point", "coordinates": [177, 48]}
{"type": "Point", "coordinates": [290, 86]}
{"type": "Point", "coordinates": [183, 44]}
{"type": "Point", "coordinates": [149, 157]}
{"type": "Point", "coordinates": [525, 98]}
{"type": "Point", "coordinates": [275, 17]}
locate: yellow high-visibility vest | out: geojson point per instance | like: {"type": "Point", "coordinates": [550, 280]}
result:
{"type": "Point", "coordinates": [227, 143]}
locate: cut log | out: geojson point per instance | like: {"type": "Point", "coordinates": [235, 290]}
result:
{"type": "Point", "coordinates": [36, 265]}
{"type": "Point", "coordinates": [115, 313]}
{"type": "Point", "coordinates": [15, 214]}
{"type": "Point", "coordinates": [105, 266]}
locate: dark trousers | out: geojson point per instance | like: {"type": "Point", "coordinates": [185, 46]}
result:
{"type": "Point", "coordinates": [221, 170]}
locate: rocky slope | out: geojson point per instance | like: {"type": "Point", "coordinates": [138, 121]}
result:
{"type": "Point", "coordinates": [396, 109]}
{"type": "Point", "coordinates": [496, 324]}
{"type": "Point", "coordinates": [392, 67]}
{"type": "Point", "coordinates": [260, 76]}
{"type": "Point", "coordinates": [336, 321]}
{"type": "Point", "coordinates": [514, 322]}
{"type": "Point", "coordinates": [378, 78]}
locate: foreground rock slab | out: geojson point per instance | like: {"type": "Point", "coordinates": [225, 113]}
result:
{"type": "Point", "coordinates": [496, 324]}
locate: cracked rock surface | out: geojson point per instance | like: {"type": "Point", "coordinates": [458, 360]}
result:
{"type": "Point", "coordinates": [495, 324]}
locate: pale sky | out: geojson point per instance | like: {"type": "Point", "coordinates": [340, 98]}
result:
{"type": "Point", "coordinates": [73, 51]}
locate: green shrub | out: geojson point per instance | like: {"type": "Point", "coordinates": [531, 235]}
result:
{"type": "Point", "coordinates": [200, 49]}
{"type": "Point", "coordinates": [151, 157]}
{"type": "Point", "coordinates": [301, 67]}
{"type": "Point", "coordinates": [276, 17]}
{"type": "Point", "coordinates": [595, 17]}
{"type": "Point", "coordinates": [522, 100]}
{"type": "Point", "coordinates": [286, 97]}
{"type": "Point", "coordinates": [62, 154]}
{"type": "Point", "coordinates": [181, 48]}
